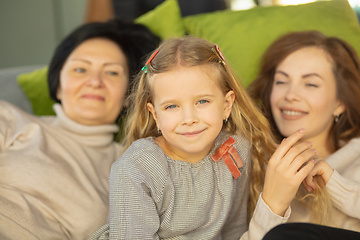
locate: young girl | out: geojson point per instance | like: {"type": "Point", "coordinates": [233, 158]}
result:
{"type": "Point", "coordinates": [195, 139]}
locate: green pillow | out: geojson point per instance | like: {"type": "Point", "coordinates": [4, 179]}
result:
{"type": "Point", "coordinates": [165, 20]}
{"type": "Point", "coordinates": [243, 36]}
{"type": "Point", "coordinates": [35, 87]}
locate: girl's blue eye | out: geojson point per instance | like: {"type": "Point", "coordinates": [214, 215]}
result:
{"type": "Point", "coordinates": [170, 107]}
{"type": "Point", "coordinates": [203, 101]}
{"type": "Point", "coordinates": [80, 70]}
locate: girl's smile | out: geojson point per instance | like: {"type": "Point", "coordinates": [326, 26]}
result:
{"type": "Point", "coordinates": [192, 134]}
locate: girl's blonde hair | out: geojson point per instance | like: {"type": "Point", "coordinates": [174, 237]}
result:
{"type": "Point", "coordinates": [245, 119]}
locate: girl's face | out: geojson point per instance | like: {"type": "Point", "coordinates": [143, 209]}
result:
{"type": "Point", "coordinates": [93, 82]}
{"type": "Point", "coordinates": [189, 108]}
{"type": "Point", "coordinates": [304, 95]}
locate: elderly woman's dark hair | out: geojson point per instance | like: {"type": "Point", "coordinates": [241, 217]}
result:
{"type": "Point", "coordinates": [135, 40]}
{"type": "Point", "coordinates": [346, 69]}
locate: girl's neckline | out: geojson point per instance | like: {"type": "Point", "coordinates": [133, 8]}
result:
{"type": "Point", "coordinates": [217, 143]}
{"type": "Point", "coordinates": [181, 162]}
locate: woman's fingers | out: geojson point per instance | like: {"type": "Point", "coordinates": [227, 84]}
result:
{"type": "Point", "coordinates": [309, 183]}
{"type": "Point", "coordinates": [304, 172]}
{"type": "Point", "coordinates": [300, 158]}
{"type": "Point", "coordinates": [287, 143]}
{"type": "Point", "coordinates": [321, 169]}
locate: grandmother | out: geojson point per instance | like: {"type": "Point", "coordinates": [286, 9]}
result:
{"type": "Point", "coordinates": [54, 169]}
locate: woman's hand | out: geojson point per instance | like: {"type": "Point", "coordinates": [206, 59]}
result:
{"type": "Point", "coordinates": [290, 164]}
{"type": "Point", "coordinates": [322, 169]}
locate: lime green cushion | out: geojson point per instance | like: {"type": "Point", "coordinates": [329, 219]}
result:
{"type": "Point", "coordinates": [165, 20]}
{"type": "Point", "coordinates": [35, 87]}
{"type": "Point", "coordinates": [244, 35]}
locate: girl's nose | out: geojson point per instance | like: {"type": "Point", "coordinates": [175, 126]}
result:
{"type": "Point", "coordinates": [190, 115]}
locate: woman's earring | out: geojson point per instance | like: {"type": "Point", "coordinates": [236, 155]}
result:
{"type": "Point", "coordinates": [336, 119]}
{"type": "Point", "coordinates": [157, 130]}
{"type": "Point", "coordinates": [226, 120]}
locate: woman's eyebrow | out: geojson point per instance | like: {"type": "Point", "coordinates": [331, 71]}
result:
{"type": "Point", "coordinates": [311, 74]}
{"type": "Point", "coordinates": [89, 62]}
{"type": "Point", "coordinates": [113, 63]}
{"type": "Point", "coordinates": [281, 72]}
{"type": "Point", "coordinates": [80, 59]}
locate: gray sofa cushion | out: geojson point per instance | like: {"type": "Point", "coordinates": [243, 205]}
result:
{"type": "Point", "coordinates": [10, 91]}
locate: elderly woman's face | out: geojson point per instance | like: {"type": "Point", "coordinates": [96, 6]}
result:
{"type": "Point", "coordinates": [93, 82]}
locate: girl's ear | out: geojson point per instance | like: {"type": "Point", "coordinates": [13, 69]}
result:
{"type": "Point", "coordinates": [229, 101]}
{"type": "Point", "coordinates": [152, 110]}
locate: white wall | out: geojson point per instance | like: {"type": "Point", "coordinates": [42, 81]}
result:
{"type": "Point", "coordinates": [31, 29]}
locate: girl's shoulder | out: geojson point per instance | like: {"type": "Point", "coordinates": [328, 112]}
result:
{"type": "Point", "coordinates": [144, 154]}
{"type": "Point", "coordinates": [143, 146]}
{"type": "Point", "coordinates": [241, 142]}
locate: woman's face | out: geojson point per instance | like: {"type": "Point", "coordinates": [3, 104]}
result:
{"type": "Point", "coordinates": [93, 82]}
{"type": "Point", "coordinates": [304, 95]}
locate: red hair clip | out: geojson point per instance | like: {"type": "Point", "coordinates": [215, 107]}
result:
{"type": "Point", "coordinates": [217, 51]}
{"type": "Point", "coordinates": [148, 61]}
